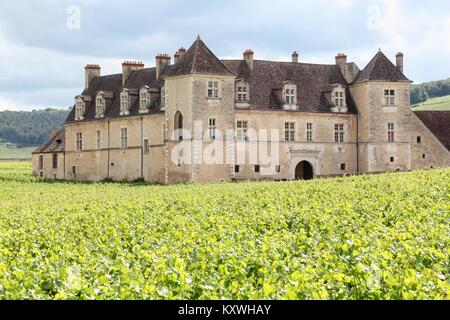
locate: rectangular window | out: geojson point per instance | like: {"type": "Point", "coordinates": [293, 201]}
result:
{"type": "Point", "coordinates": [79, 141]}
{"type": "Point", "coordinates": [424, 156]}
{"type": "Point", "coordinates": [392, 159]}
{"type": "Point", "coordinates": [236, 169]}
{"type": "Point", "coordinates": [339, 98]}
{"type": "Point", "coordinates": [290, 95]}
{"type": "Point", "coordinates": [41, 162]}
{"type": "Point", "coordinates": [389, 97]}
{"type": "Point", "coordinates": [391, 132]}
{"type": "Point", "coordinates": [309, 132]}
{"type": "Point", "coordinates": [55, 161]}
{"type": "Point", "coordinates": [213, 89]}
{"type": "Point", "coordinates": [242, 92]}
{"type": "Point", "coordinates": [419, 139]}
{"type": "Point", "coordinates": [74, 170]}
{"type": "Point", "coordinates": [339, 132]}
{"type": "Point", "coordinates": [257, 169]}
{"type": "Point", "coordinates": [99, 139]}
{"type": "Point", "coordinates": [212, 128]}
{"type": "Point", "coordinates": [289, 131]}
{"type": "Point", "coordinates": [124, 137]}
{"type": "Point", "coordinates": [242, 130]}
{"type": "Point", "coordinates": [146, 146]}
{"type": "Point", "coordinates": [343, 166]}
{"type": "Point", "coordinates": [277, 169]}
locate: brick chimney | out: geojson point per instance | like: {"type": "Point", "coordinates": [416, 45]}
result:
{"type": "Point", "coordinates": [91, 71]}
{"type": "Point", "coordinates": [162, 61]}
{"type": "Point", "coordinates": [399, 59]}
{"type": "Point", "coordinates": [179, 54]}
{"type": "Point", "coordinates": [341, 61]}
{"type": "Point", "coordinates": [128, 67]}
{"type": "Point", "coordinates": [248, 57]}
{"type": "Point", "coordinates": [295, 57]}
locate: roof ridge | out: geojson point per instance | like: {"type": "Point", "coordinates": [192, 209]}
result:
{"type": "Point", "coordinates": [195, 53]}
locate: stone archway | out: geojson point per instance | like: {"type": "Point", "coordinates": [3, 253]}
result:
{"type": "Point", "coordinates": [304, 171]}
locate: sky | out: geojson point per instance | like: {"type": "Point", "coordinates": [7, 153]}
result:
{"type": "Point", "coordinates": [44, 45]}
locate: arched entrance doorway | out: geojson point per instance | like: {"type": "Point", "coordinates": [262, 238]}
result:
{"type": "Point", "coordinates": [304, 171]}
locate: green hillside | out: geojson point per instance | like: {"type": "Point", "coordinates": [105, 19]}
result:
{"type": "Point", "coordinates": [428, 90]}
{"type": "Point", "coordinates": [26, 129]}
{"type": "Point", "coordinates": [18, 153]}
{"type": "Point", "coordinates": [441, 103]}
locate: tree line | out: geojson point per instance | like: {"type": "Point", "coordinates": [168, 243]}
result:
{"type": "Point", "coordinates": [25, 128]}
{"type": "Point", "coordinates": [424, 91]}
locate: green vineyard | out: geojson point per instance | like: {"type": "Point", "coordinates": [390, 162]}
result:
{"type": "Point", "coordinates": [368, 237]}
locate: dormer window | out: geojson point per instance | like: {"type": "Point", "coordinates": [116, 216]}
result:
{"type": "Point", "coordinates": [100, 105]}
{"type": "Point", "coordinates": [124, 103]}
{"type": "Point", "coordinates": [144, 100]}
{"type": "Point", "coordinates": [242, 91]}
{"type": "Point", "coordinates": [79, 108]}
{"type": "Point", "coordinates": [338, 99]}
{"type": "Point", "coordinates": [290, 96]}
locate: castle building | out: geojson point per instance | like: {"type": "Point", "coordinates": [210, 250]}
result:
{"type": "Point", "coordinates": [205, 119]}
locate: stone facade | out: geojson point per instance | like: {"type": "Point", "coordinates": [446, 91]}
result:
{"type": "Point", "coordinates": [200, 123]}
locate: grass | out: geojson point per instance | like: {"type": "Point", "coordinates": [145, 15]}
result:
{"type": "Point", "coordinates": [367, 237]}
{"type": "Point", "coordinates": [441, 103]}
{"type": "Point", "coordinates": [21, 153]}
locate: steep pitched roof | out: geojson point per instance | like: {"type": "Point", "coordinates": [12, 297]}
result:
{"type": "Point", "coordinates": [112, 84]}
{"type": "Point", "coordinates": [198, 59]}
{"type": "Point", "coordinates": [268, 77]}
{"type": "Point", "coordinates": [380, 68]}
{"type": "Point", "coordinates": [54, 144]}
{"type": "Point", "coordinates": [438, 122]}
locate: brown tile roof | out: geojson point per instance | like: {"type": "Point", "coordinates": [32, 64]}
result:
{"type": "Point", "coordinates": [198, 59]}
{"type": "Point", "coordinates": [54, 144]}
{"type": "Point", "coordinates": [112, 86]}
{"type": "Point", "coordinates": [437, 122]}
{"type": "Point", "coordinates": [312, 80]}
{"type": "Point", "coordinates": [380, 68]}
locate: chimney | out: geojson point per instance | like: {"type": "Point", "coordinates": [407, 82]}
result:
{"type": "Point", "coordinates": [248, 57]}
{"type": "Point", "coordinates": [162, 61]}
{"type": "Point", "coordinates": [295, 57]}
{"type": "Point", "coordinates": [91, 71]}
{"type": "Point", "coordinates": [181, 52]}
{"type": "Point", "coordinates": [399, 58]}
{"type": "Point", "coordinates": [176, 57]}
{"type": "Point", "coordinates": [53, 132]}
{"type": "Point", "coordinates": [341, 61]}
{"type": "Point", "coordinates": [128, 67]}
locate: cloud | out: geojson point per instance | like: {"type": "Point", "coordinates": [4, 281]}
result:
{"type": "Point", "coordinates": [42, 59]}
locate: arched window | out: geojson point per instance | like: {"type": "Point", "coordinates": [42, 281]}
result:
{"type": "Point", "coordinates": [178, 126]}
{"type": "Point", "coordinates": [144, 99]}
{"type": "Point", "coordinates": [124, 102]}
{"type": "Point", "coordinates": [100, 105]}
{"type": "Point", "coordinates": [163, 96]}
{"type": "Point", "coordinates": [79, 108]}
